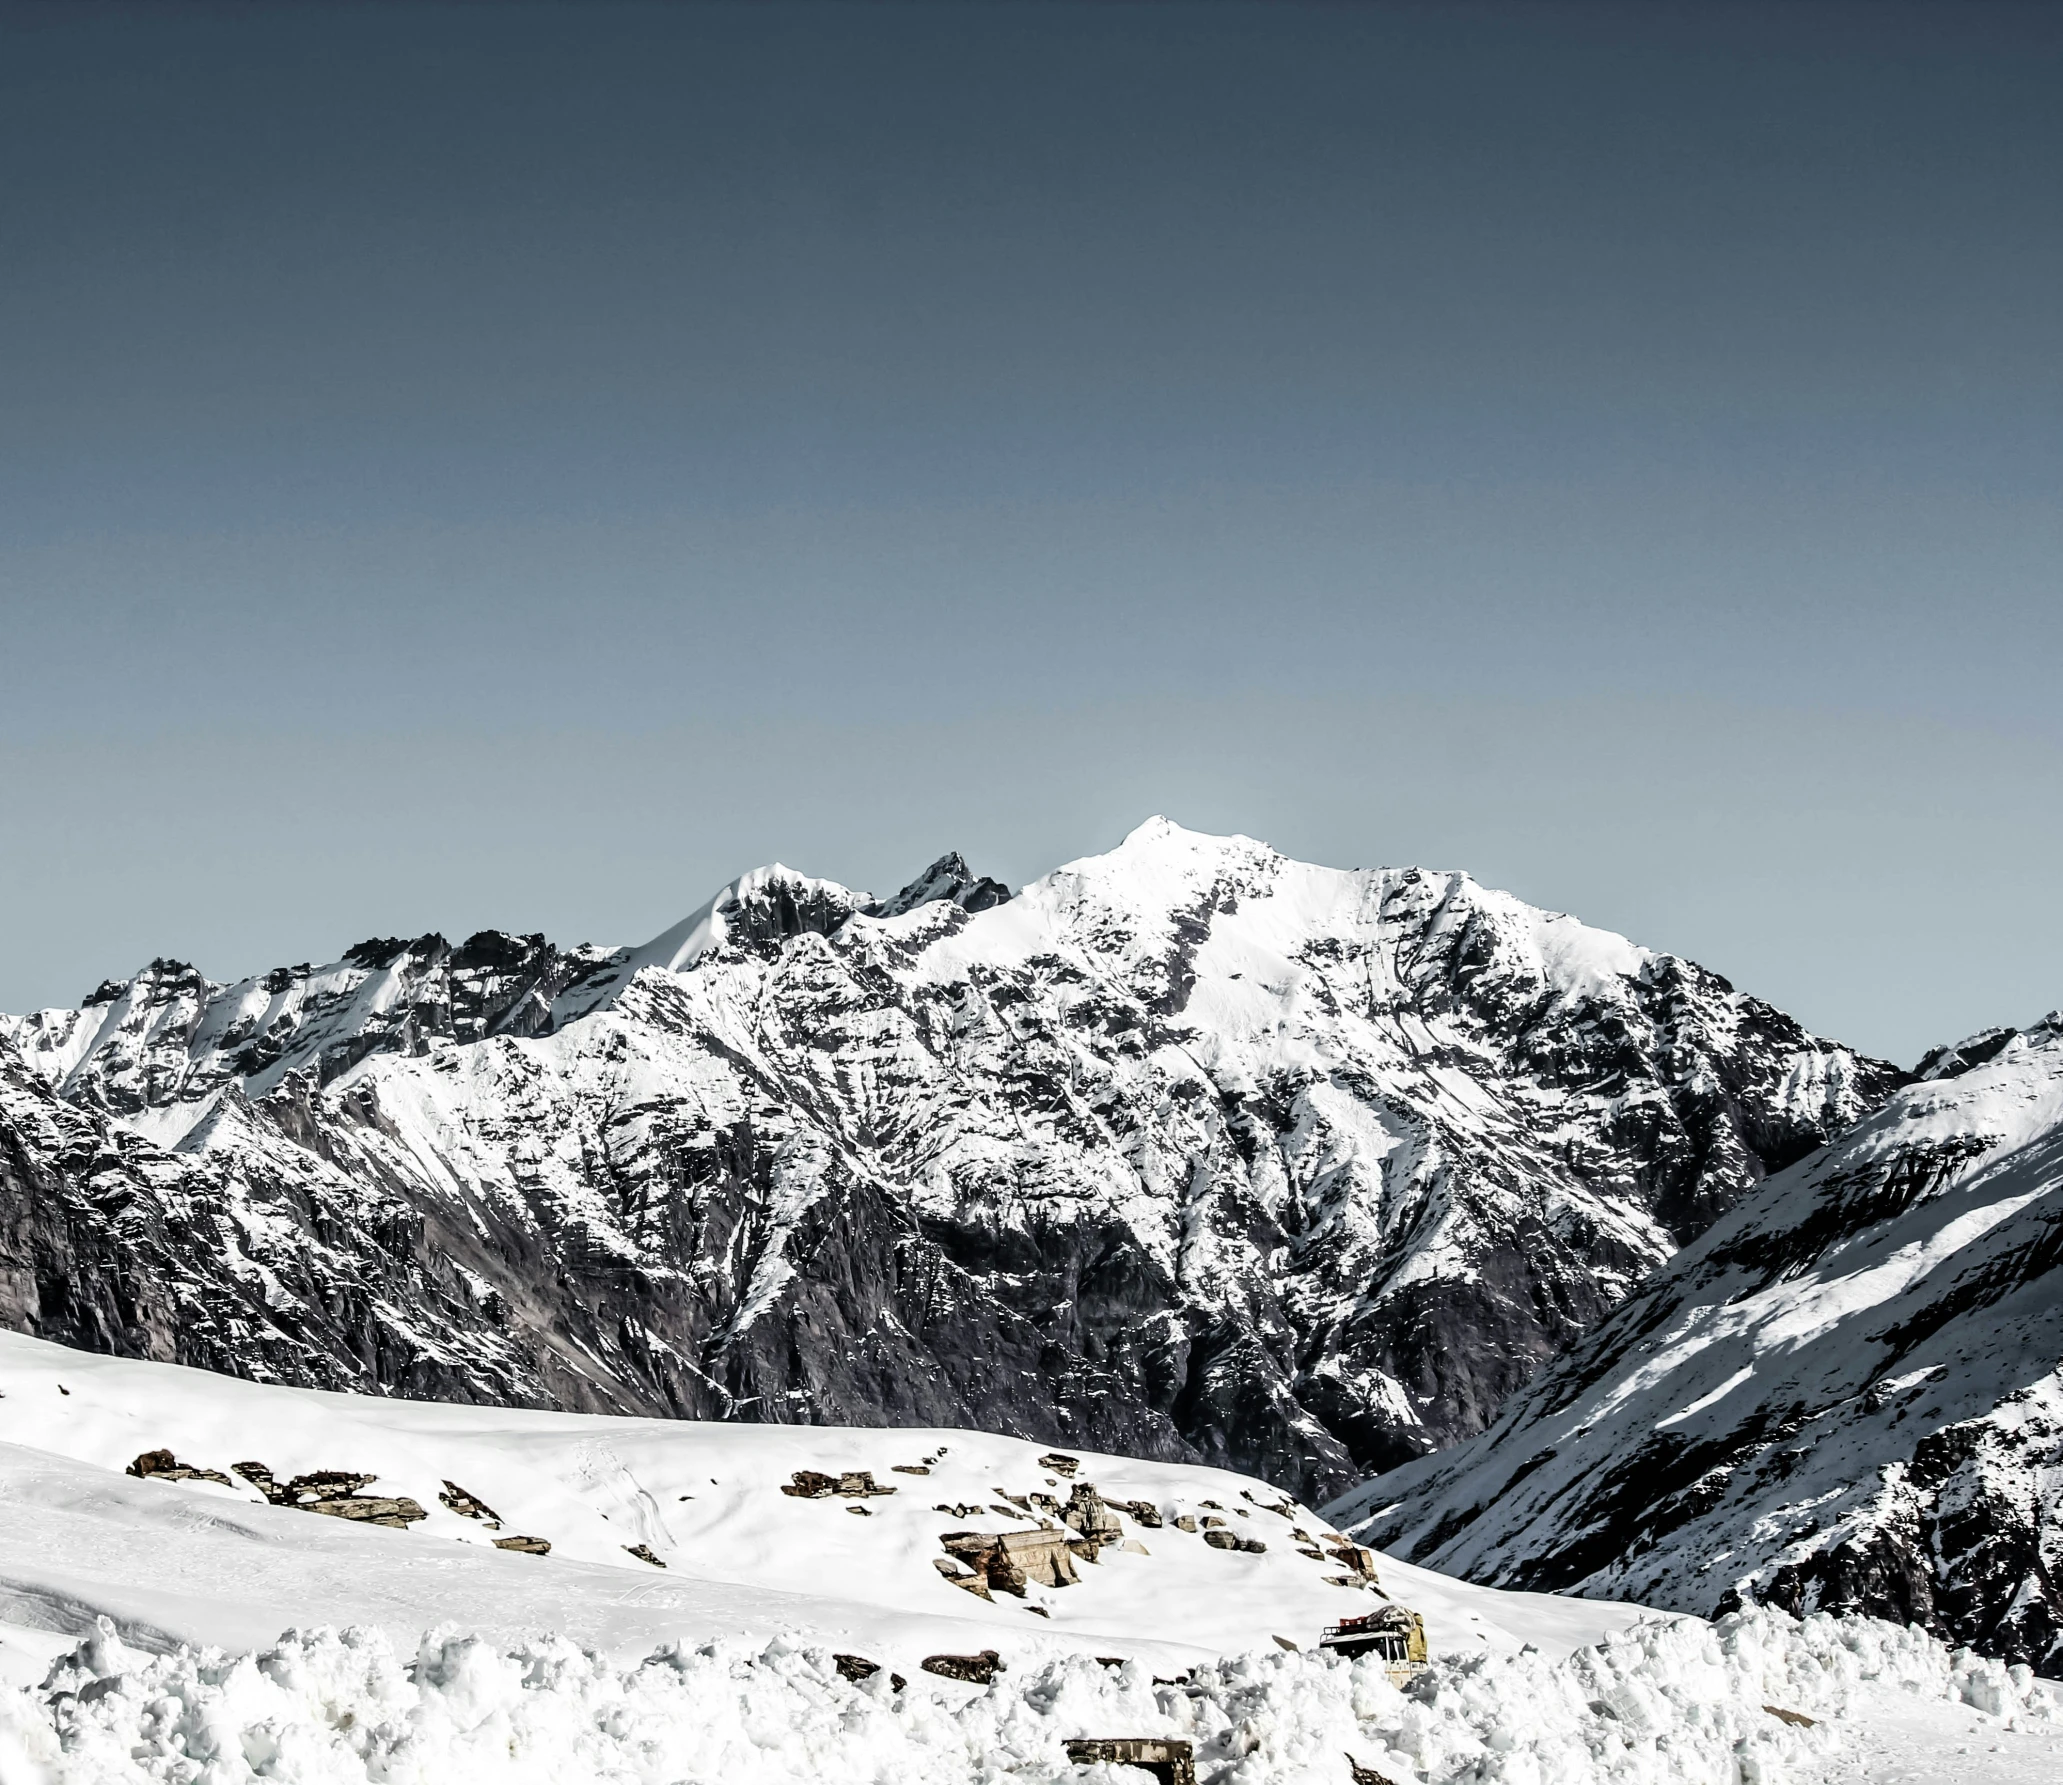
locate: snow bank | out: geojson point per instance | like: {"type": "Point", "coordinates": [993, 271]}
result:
{"type": "Point", "coordinates": [1662, 1701]}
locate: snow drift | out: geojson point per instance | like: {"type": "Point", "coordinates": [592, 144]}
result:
{"type": "Point", "coordinates": [1660, 1703]}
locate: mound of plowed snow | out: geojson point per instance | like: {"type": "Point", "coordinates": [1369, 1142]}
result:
{"type": "Point", "coordinates": [1757, 1699]}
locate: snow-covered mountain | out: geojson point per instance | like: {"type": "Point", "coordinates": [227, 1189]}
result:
{"type": "Point", "coordinates": [1186, 1150]}
{"type": "Point", "coordinates": [1847, 1394]}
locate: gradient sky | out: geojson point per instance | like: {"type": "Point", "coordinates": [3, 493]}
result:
{"type": "Point", "coordinates": [485, 465]}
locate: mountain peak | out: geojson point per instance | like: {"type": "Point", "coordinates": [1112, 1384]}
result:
{"type": "Point", "coordinates": [948, 878]}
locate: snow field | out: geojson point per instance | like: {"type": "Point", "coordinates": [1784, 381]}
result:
{"type": "Point", "coordinates": [203, 1564]}
{"type": "Point", "coordinates": [1662, 1701]}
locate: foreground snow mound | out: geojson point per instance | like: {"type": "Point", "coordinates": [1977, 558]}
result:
{"type": "Point", "coordinates": [1661, 1702]}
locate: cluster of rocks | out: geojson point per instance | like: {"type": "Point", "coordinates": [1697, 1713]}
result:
{"type": "Point", "coordinates": [332, 1492]}
{"type": "Point", "coordinates": [1218, 1531]}
{"type": "Point", "coordinates": [335, 1493]}
{"type": "Point", "coordinates": [162, 1465]}
{"type": "Point", "coordinates": [852, 1484]}
{"type": "Point", "coordinates": [985, 1563]}
{"type": "Point", "coordinates": [339, 1493]}
{"type": "Point", "coordinates": [1358, 1563]}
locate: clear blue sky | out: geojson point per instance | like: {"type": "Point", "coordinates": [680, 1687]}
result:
{"type": "Point", "coordinates": [487, 465]}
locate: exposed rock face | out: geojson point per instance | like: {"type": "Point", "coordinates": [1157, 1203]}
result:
{"type": "Point", "coordinates": [1186, 1150]}
{"type": "Point", "coordinates": [1844, 1396]}
{"type": "Point", "coordinates": [1089, 1516]}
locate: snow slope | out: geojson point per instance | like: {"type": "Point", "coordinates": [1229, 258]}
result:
{"type": "Point", "coordinates": [1186, 1149]}
{"type": "Point", "coordinates": [1845, 1394]}
{"type": "Point", "coordinates": [193, 1561]}
{"type": "Point", "coordinates": [589, 1663]}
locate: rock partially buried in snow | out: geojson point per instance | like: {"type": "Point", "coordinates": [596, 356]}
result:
{"type": "Point", "coordinates": [1171, 1762]}
{"type": "Point", "coordinates": [857, 1668]}
{"type": "Point", "coordinates": [525, 1546]}
{"type": "Point", "coordinates": [814, 1484]}
{"type": "Point", "coordinates": [976, 1670]}
{"type": "Point", "coordinates": [162, 1465]}
{"type": "Point", "coordinates": [371, 1509]}
{"type": "Point", "coordinates": [1352, 1557]}
{"type": "Point", "coordinates": [1140, 1512]}
{"type": "Point", "coordinates": [968, 1582]}
{"type": "Point", "coordinates": [1087, 1513]}
{"type": "Point", "coordinates": [335, 1494]}
{"type": "Point", "coordinates": [1013, 1559]}
{"type": "Point", "coordinates": [469, 1505]}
